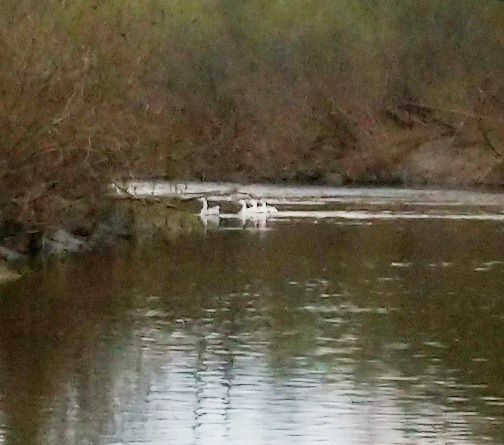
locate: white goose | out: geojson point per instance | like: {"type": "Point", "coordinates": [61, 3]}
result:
{"type": "Point", "coordinates": [206, 211]}
{"type": "Point", "coordinates": [253, 206]}
{"type": "Point", "coordinates": [244, 211]}
{"type": "Point", "coordinates": [266, 208]}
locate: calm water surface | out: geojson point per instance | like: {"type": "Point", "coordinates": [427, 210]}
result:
{"type": "Point", "coordinates": [334, 331]}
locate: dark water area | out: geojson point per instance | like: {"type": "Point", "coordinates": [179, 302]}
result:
{"type": "Point", "coordinates": [331, 332]}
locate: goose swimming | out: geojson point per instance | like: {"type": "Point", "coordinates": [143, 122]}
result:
{"type": "Point", "coordinates": [266, 208]}
{"type": "Point", "coordinates": [244, 209]}
{"type": "Point", "coordinates": [253, 206]}
{"type": "Point", "coordinates": [206, 211]}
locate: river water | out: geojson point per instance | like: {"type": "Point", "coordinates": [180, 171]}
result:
{"type": "Point", "coordinates": [355, 316]}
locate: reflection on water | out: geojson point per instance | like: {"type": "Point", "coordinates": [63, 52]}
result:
{"type": "Point", "coordinates": [382, 333]}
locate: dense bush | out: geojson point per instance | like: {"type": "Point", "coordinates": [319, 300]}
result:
{"type": "Point", "coordinates": [258, 89]}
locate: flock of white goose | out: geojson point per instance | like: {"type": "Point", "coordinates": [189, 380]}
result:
{"type": "Point", "coordinates": [254, 209]}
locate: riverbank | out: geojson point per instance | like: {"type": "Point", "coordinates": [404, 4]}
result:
{"type": "Point", "coordinates": [119, 224]}
{"type": "Point", "coordinates": [407, 93]}
{"type": "Point", "coordinates": [414, 153]}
